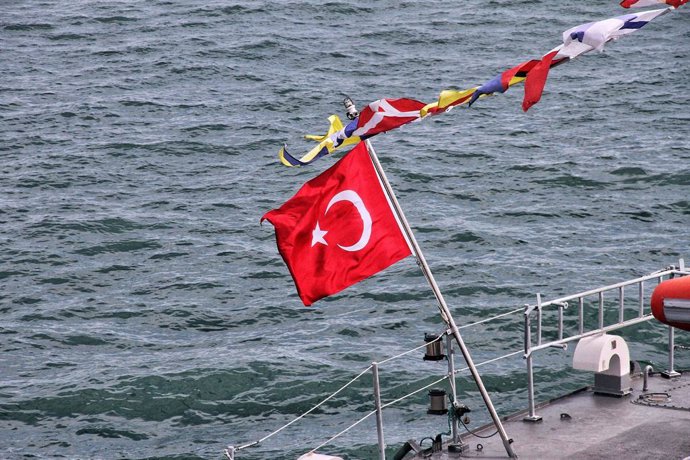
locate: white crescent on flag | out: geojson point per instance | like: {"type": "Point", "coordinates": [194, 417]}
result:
{"type": "Point", "coordinates": [352, 197]}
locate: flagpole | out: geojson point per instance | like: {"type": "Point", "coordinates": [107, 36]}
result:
{"type": "Point", "coordinates": [443, 307]}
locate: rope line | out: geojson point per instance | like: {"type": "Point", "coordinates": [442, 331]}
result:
{"type": "Point", "coordinates": [395, 401]}
{"type": "Point", "coordinates": [383, 406]}
{"type": "Point", "coordinates": [474, 433]}
{"type": "Point", "coordinates": [254, 443]}
{"type": "Point", "coordinates": [512, 312]}
{"type": "Point", "coordinates": [489, 361]}
{"type": "Point", "coordinates": [410, 351]}
{"type": "Point", "coordinates": [343, 432]}
{"type": "Point", "coordinates": [306, 413]}
{"type": "Point", "coordinates": [492, 318]}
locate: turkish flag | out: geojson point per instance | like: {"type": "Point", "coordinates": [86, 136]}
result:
{"type": "Point", "coordinates": [338, 229]}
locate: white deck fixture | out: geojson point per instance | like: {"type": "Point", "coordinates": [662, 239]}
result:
{"type": "Point", "coordinates": [609, 358]}
{"type": "Point", "coordinates": [315, 456]}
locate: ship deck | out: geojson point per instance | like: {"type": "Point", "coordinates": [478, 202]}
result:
{"type": "Point", "coordinates": [585, 425]}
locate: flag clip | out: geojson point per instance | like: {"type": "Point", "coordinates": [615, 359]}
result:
{"type": "Point", "coordinates": [350, 108]}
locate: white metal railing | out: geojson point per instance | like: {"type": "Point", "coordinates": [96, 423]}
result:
{"type": "Point", "coordinates": [562, 303]}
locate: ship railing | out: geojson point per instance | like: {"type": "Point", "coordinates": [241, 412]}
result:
{"type": "Point", "coordinates": [532, 343]}
{"type": "Point", "coordinates": [620, 314]}
{"type": "Point", "coordinates": [232, 451]}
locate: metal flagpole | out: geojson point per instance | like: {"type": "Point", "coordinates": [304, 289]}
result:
{"type": "Point", "coordinates": [445, 311]}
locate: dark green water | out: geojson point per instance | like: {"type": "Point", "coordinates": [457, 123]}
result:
{"type": "Point", "coordinates": [144, 313]}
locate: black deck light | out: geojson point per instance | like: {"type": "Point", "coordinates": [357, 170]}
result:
{"type": "Point", "coordinates": [437, 402]}
{"type": "Point", "coordinates": [434, 348]}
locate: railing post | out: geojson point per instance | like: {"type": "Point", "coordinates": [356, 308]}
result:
{"type": "Point", "coordinates": [621, 304]}
{"type": "Point", "coordinates": [539, 318]}
{"type": "Point", "coordinates": [532, 416]}
{"type": "Point", "coordinates": [671, 372]}
{"type": "Point", "coordinates": [581, 314]}
{"type": "Point", "coordinates": [561, 307]}
{"type": "Point", "coordinates": [601, 309]}
{"type": "Point", "coordinates": [379, 413]}
{"type": "Point", "coordinates": [451, 379]}
{"type": "Point", "coordinates": [641, 299]}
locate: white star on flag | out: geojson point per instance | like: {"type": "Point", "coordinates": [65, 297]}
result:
{"type": "Point", "coordinates": [317, 236]}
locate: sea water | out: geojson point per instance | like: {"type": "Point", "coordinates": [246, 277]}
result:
{"type": "Point", "coordinates": [145, 313]}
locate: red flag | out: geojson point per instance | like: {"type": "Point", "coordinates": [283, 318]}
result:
{"type": "Point", "coordinates": [338, 229]}
{"type": "Point", "coordinates": [520, 70]}
{"type": "Point", "coordinates": [385, 114]}
{"type": "Point", "coordinates": [536, 79]}
{"type": "Point", "coordinates": [638, 3]}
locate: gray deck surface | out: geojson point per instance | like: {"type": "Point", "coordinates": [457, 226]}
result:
{"type": "Point", "coordinates": [599, 427]}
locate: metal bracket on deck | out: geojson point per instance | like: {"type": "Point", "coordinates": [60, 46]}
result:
{"type": "Point", "coordinates": [670, 374]}
{"type": "Point", "coordinates": [532, 418]}
{"type": "Point", "coordinates": [409, 446]}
